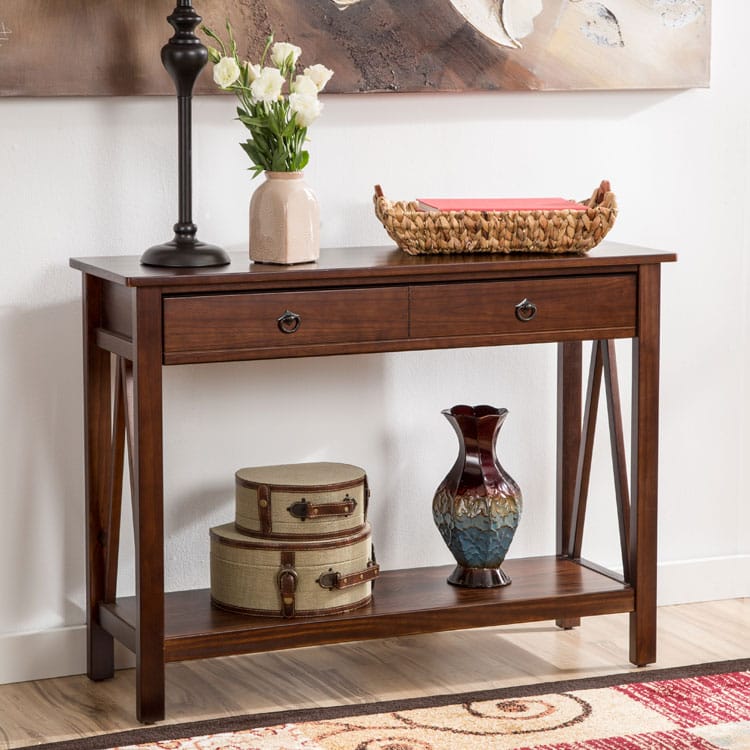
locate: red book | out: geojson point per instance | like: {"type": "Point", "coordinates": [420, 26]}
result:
{"type": "Point", "coordinates": [498, 204]}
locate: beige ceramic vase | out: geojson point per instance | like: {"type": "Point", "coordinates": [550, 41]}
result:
{"type": "Point", "coordinates": [284, 220]}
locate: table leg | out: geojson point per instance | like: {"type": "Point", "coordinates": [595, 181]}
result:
{"type": "Point", "coordinates": [569, 389]}
{"type": "Point", "coordinates": [97, 436]}
{"type": "Point", "coordinates": [644, 476]}
{"type": "Point", "coordinates": [148, 506]}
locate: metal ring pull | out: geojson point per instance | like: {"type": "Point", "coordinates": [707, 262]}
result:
{"type": "Point", "coordinates": [289, 322]}
{"type": "Point", "coordinates": [525, 310]}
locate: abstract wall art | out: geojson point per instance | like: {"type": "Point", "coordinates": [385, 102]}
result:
{"type": "Point", "coordinates": [111, 47]}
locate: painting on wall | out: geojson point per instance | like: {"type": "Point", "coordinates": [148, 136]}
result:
{"type": "Point", "coordinates": [111, 47]}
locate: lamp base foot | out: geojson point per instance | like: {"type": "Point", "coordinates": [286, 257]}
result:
{"type": "Point", "coordinates": [182, 254]}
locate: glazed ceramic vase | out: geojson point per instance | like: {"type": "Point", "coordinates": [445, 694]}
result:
{"type": "Point", "coordinates": [284, 220]}
{"type": "Point", "coordinates": [478, 505]}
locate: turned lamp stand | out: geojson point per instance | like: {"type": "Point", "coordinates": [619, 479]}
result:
{"type": "Point", "coordinates": [184, 57]}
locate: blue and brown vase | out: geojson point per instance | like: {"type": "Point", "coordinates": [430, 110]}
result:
{"type": "Point", "coordinates": [478, 505]}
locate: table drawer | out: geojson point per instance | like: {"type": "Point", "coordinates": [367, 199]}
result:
{"type": "Point", "coordinates": [524, 306]}
{"type": "Point", "coordinates": [226, 322]}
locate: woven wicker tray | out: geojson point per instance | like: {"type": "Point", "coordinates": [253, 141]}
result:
{"type": "Point", "coordinates": [439, 232]}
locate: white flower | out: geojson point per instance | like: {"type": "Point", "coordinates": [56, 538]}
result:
{"type": "Point", "coordinates": [253, 71]}
{"type": "Point", "coordinates": [226, 72]}
{"type": "Point", "coordinates": [304, 85]}
{"type": "Point", "coordinates": [267, 86]}
{"type": "Point", "coordinates": [319, 74]}
{"type": "Point", "coordinates": [282, 51]}
{"type": "Point", "coordinates": [306, 108]}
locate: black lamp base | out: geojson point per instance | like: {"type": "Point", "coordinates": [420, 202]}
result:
{"type": "Point", "coordinates": [184, 57]}
{"type": "Point", "coordinates": [185, 254]}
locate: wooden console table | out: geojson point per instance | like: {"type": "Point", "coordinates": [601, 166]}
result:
{"type": "Point", "coordinates": [137, 319]}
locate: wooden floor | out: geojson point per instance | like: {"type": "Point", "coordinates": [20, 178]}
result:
{"type": "Point", "coordinates": [70, 707]}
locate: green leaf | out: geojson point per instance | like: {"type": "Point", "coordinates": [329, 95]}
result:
{"type": "Point", "coordinates": [249, 148]}
{"type": "Point", "coordinates": [278, 163]}
{"type": "Point", "coordinates": [290, 128]}
{"type": "Point", "coordinates": [212, 35]}
{"type": "Point", "coordinates": [256, 156]}
{"type": "Point", "coordinates": [250, 122]}
{"type": "Point", "coordinates": [232, 43]}
{"type": "Point", "coordinates": [273, 125]}
{"type": "Point", "coordinates": [265, 138]}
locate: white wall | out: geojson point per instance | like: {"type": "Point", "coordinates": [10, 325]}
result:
{"type": "Point", "coordinates": [97, 176]}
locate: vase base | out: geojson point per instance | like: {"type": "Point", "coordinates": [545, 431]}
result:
{"type": "Point", "coordinates": [479, 578]}
{"type": "Point", "coordinates": [284, 262]}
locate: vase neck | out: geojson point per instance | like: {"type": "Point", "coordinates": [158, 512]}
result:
{"type": "Point", "coordinates": [284, 175]}
{"type": "Point", "coordinates": [477, 437]}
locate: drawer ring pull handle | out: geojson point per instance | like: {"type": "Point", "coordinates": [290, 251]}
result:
{"type": "Point", "coordinates": [289, 322]}
{"type": "Point", "coordinates": [525, 310]}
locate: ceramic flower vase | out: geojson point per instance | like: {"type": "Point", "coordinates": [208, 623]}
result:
{"type": "Point", "coordinates": [284, 220]}
{"type": "Point", "coordinates": [477, 506]}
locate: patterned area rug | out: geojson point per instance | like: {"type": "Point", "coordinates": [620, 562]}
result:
{"type": "Point", "coordinates": [705, 707]}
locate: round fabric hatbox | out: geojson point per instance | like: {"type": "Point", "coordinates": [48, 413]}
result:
{"type": "Point", "coordinates": [288, 579]}
{"type": "Point", "coordinates": [304, 501]}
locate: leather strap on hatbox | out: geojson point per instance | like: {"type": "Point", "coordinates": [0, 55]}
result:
{"type": "Point", "coordinates": [264, 508]}
{"type": "Point", "coordinates": [305, 509]}
{"type": "Point", "coordinates": [334, 580]}
{"type": "Point", "coordinates": [287, 580]}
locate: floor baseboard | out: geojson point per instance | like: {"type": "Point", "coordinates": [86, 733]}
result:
{"type": "Point", "coordinates": [42, 654]}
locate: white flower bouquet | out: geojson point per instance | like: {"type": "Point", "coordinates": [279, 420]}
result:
{"type": "Point", "coordinates": [277, 121]}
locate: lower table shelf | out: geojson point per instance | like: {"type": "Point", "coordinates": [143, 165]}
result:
{"type": "Point", "coordinates": [405, 602]}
